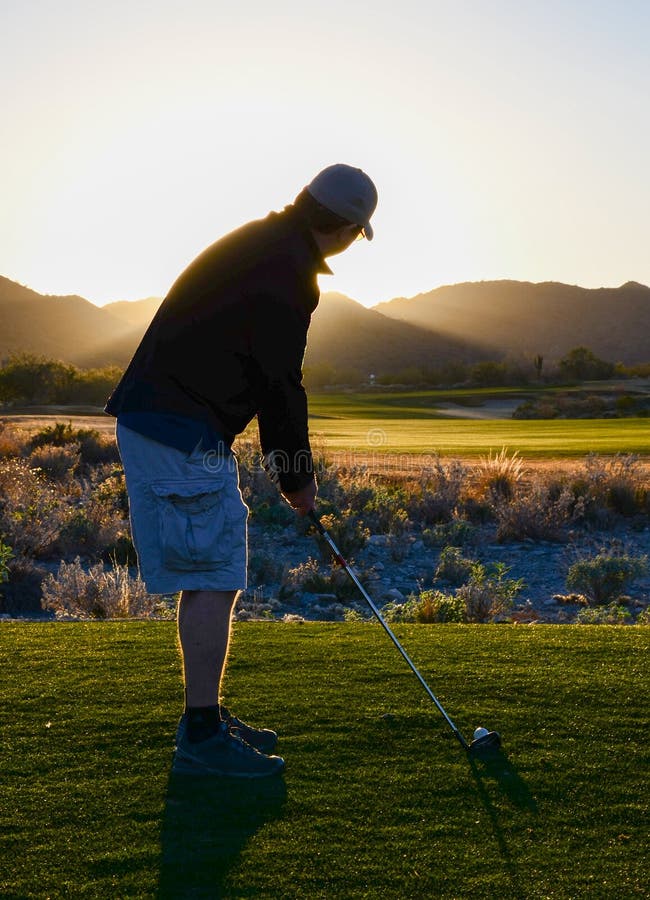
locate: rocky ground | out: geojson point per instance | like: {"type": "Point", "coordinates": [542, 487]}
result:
{"type": "Point", "coordinates": [542, 565]}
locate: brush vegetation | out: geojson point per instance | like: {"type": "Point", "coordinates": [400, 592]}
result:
{"type": "Point", "coordinates": [65, 543]}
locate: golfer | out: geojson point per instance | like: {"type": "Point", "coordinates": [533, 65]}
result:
{"type": "Point", "coordinates": [225, 346]}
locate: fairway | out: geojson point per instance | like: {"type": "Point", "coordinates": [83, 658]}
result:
{"type": "Point", "coordinates": [378, 799]}
{"type": "Point", "coordinates": [474, 437]}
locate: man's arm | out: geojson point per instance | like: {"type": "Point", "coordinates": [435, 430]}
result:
{"type": "Point", "coordinates": [278, 330]}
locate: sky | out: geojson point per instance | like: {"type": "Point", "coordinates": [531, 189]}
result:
{"type": "Point", "coordinates": [506, 139]}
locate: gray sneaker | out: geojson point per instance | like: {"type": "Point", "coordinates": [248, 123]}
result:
{"type": "Point", "coordinates": [225, 755]}
{"type": "Point", "coordinates": [263, 739]}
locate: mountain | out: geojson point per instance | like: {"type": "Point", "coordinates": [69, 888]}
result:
{"type": "Point", "coordinates": [463, 322]}
{"type": "Point", "coordinates": [347, 335]}
{"type": "Point", "coordinates": [515, 317]}
{"type": "Point", "coordinates": [138, 313]}
{"type": "Point", "coordinates": [67, 328]}
{"type": "Point", "coordinates": [344, 333]}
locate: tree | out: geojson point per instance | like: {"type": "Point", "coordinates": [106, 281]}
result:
{"type": "Point", "coordinates": [34, 379]}
{"type": "Point", "coordinates": [582, 364]}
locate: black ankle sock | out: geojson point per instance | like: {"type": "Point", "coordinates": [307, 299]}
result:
{"type": "Point", "coordinates": [202, 722]}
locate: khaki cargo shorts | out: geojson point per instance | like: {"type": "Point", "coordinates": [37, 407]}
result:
{"type": "Point", "coordinates": [188, 518]}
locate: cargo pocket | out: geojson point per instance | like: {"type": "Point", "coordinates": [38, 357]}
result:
{"type": "Point", "coordinates": [194, 525]}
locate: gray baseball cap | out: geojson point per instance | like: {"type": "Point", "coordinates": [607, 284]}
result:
{"type": "Point", "coordinates": [348, 192]}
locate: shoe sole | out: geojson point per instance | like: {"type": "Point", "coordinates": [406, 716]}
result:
{"type": "Point", "coordinates": [183, 766]}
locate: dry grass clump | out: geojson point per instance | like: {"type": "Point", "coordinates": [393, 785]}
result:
{"type": "Point", "coordinates": [613, 483]}
{"type": "Point", "coordinates": [14, 441]}
{"type": "Point", "coordinates": [57, 463]}
{"type": "Point", "coordinates": [497, 476]}
{"type": "Point", "coordinates": [536, 512]}
{"type": "Point", "coordinates": [97, 593]}
{"type": "Point", "coordinates": [437, 495]}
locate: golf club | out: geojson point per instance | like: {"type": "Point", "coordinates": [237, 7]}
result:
{"type": "Point", "coordinates": [484, 740]}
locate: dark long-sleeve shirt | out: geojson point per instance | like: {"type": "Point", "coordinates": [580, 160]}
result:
{"type": "Point", "coordinates": [228, 341]}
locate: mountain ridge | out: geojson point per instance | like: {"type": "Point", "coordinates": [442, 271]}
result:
{"type": "Point", "coordinates": [467, 322]}
{"type": "Point", "coordinates": [548, 318]}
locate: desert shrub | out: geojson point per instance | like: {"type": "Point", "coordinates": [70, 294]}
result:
{"type": "Point", "coordinates": [399, 540]}
{"type": "Point", "coordinates": [538, 513]}
{"type": "Point", "coordinates": [6, 554]}
{"type": "Point", "coordinates": [264, 568]}
{"type": "Point", "coordinates": [603, 615]}
{"type": "Point", "coordinates": [32, 512]}
{"type": "Point", "coordinates": [306, 576]}
{"type": "Point", "coordinates": [456, 533]}
{"type": "Point", "coordinates": [644, 617]}
{"type": "Point", "coordinates": [252, 604]}
{"type": "Point", "coordinates": [347, 532]}
{"type": "Point", "coordinates": [602, 578]}
{"type": "Point", "coordinates": [437, 495]}
{"type": "Point", "coordinates": [610, 485]}
{"type": "Point", "coordinates": [489, 593]}
{"type": "Point", "coordinates": [385, 501]}
{"type": "Point", "coordinates": [497, 476]}
{"type": "Point", "coordinates": [57, 463]}
{"type": "Point", "coordinates": [95, 529]}
{"type": "Point", "coordinates": [20, 594]}
{"type": "Point", "coordinates": [453, 567]}
{"type": "Point", "coordinates": [111, 492]}
{"type": "Point", "coordinates": [313, 578]}
{"type": "Point", "coordinates": [539, 408]}
{"type": "Point", "coordinates": [94, 447]}
{"type": "Point", "coordinates": [14, 441]}
{"type": "Point", "coordinates": [426, 607]}
{"type": "Point", "coordinates": [97, 593]}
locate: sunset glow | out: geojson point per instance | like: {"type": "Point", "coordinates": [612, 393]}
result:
{"type": "Point", "coordinates": [507, 140]}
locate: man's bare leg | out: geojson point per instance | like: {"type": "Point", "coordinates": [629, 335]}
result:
{"type": "Point", "coordinates": [205, 744]}
{"type": "Point", "coordinates": [204, 623]}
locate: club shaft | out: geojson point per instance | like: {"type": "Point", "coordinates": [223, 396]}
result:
{"type": "Point", "coordinates": [342, 562]}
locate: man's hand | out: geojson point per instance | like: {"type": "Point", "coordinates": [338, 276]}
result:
{"type": "Point", "coordinates": [304, 500]}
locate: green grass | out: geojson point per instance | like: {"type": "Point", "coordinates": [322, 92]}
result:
{"type": "Point", "coordinates": [409, 422]}
{"type": "Point", "coordinates": [543, 439]}
{"type": "Point", "coordinates": [369, 807]}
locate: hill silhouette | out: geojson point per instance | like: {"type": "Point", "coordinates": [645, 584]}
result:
{"type": "Point", "coordinates": [344, 333]}
{"type": "Point", "coordinates": [137, 313]}
{"type": "Point", "coordinates": [67, 328]}
{"type": "Point", "coordinates": [350, 336]}
{"type": "Point", "coordinates": [463, 322]}
{"type": "Point", "coordinates": [515, 317]}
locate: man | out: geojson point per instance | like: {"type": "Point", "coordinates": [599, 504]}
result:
{"type": "Point", "coordinates": [225, 346]}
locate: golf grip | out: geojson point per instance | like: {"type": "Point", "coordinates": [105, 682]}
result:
{"type": "Point", "coordinates": [342, 562]}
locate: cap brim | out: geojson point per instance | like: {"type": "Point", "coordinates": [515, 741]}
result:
{"type": "Point", "coordinates": [368, 233]}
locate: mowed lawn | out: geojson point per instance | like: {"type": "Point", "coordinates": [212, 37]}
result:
{"type": "Point", "coordinates": [411, 423]}
{"type": "Point", "coordinates": [378, 800]}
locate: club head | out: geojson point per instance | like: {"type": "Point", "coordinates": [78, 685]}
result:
{"type": "Point", "coordinates": [487, 743]}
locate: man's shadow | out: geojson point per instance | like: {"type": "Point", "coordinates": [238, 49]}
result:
{"type": "Point", "coordinates": [206, 823]}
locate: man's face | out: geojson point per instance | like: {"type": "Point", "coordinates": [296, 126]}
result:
{"type": "Point", "coordinates": [340, 240]}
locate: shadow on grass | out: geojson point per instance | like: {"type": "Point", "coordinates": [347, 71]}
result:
{"type": "Point", "coordinates": [495, 774]}
{"type": "Point", "coordinates": [496, 768]}
{"type": "Point", "coordinates": [207, 822]}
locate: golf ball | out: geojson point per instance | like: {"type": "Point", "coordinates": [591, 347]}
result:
{"type": "Point", "coordinates": [479, 733]}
